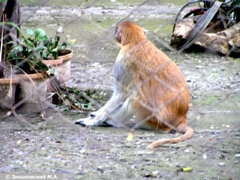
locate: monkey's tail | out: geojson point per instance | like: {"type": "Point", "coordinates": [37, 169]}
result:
{"type": "Point", "coordinates": [183, 128]}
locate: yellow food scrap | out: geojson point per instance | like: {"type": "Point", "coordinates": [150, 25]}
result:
{"type": "Point", "coordinates": [19, 142]}
{"type": "Point", "coordinates": [187, 169]}
{"type": "Point", "coordinates": [72, 41]}
{"type": "Point", "coordinates": [130, 136]}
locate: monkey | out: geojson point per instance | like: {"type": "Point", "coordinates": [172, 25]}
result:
{"type": "Point", "coordinates": [148, 87]}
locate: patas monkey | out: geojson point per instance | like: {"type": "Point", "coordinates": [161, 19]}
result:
{"type": "Point", "coordinates": [149, 87]}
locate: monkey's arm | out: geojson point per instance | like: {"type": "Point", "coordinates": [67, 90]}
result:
{"type": "Point", "coordinates": [105, 113]}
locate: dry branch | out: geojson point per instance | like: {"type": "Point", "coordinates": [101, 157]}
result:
{"type": "Point", "coordinates": [225, 42]}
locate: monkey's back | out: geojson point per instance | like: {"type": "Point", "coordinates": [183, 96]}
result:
{"type": "Point", "coordinates": [160, 85]}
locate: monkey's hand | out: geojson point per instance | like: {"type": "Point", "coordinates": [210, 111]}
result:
{"type": "Point", "coordinates": [87, 121]}
{"type": "Point", "coordinates": [92, 120]}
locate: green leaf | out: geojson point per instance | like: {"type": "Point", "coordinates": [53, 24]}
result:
{"type": "Point", "coordinates": [52, 71]}
{"type": "Point", "coordinates": [40, 34]}
{"type": "Point", "coordinates": [30, 32]}
{"type": "Point", "coordinates": [57, 39]}
{"type": "Point", "coordinates": [44, 38]}
{"type": "Point", "coordinates": [41, 66]}
{"type": "Point", "coordinates": [86, 106]}
{"type": "Point", "coordinates": [29, 43]}
{"type": "Point", "coordinates": [44, 55]}
{"type": "Point", "coordinates": [63, 46]}
{"type": "Point", "coordinates": [18, 48]}
{"type": "Point", "coordinates": [55, 55]}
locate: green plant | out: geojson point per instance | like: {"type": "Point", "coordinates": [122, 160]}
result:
{"type": "Point", "coordinates": [52, 48]}
{"type": "Point", "coordinates": [73, 98]}
{"type": "Point", "coordinates": [69, 98]}
{"type": "Point", "coordinates": [25, 56]}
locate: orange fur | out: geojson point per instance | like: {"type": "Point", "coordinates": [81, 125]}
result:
{"type": "Point", "coordinates": [149, 86]}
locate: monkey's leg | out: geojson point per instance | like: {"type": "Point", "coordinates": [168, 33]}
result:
{"type": "Point", "coordinates": [120, 116]}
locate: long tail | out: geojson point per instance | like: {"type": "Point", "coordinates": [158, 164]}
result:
{"type": "Point", "coordinates": [183, 128]}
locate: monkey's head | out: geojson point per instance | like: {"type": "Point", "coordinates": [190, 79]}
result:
{"type": "Point", "coordinates": [128, 32]}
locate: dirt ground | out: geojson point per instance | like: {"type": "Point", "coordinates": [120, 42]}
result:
{"type": "Point", "coordinates": [56, 145]}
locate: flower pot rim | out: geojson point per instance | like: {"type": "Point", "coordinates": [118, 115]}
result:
{"type": "Point", "coordinates": [32, 76]}
{"type": "Point", "coordinates": [68, 56]}
{"type": "Point", "coordinates": [53, 61]}
{"type": "Point", "coordinates": [67, 49]}
{"type": "Point", "coordinates": [9, 80]}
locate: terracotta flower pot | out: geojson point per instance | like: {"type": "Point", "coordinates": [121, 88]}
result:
{"type": "Point", "coordinates": [32, 93]}
{"type": "Point", "coordinates": [7, 92]}
{"type": "Point", "coordinates": [62, 66]}
{"type": "Point", "coordinates": [54, 82]}
{"type": "Point", "coordinates": [65, 74]}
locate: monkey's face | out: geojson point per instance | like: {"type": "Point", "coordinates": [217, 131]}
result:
{"type": "Point", "coordinates": [118, 35]}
